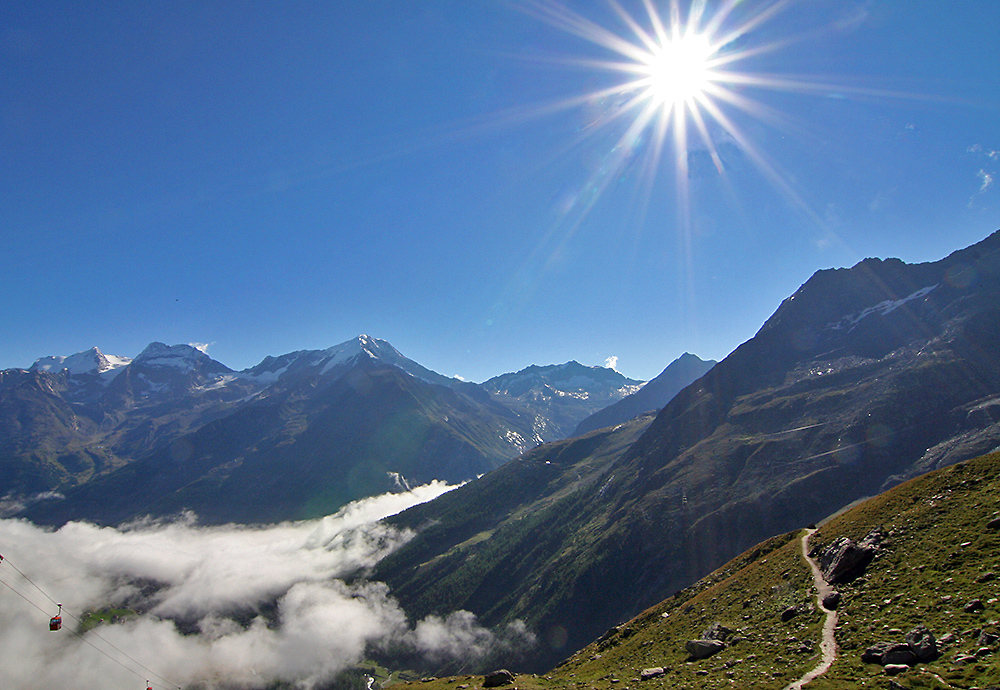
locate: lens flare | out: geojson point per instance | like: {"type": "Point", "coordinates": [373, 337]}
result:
{"type": "Point", "coordinates": [684, 88]}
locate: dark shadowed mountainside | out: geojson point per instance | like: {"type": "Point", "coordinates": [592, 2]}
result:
{"type": "Point", "coordinates": [303, 451]}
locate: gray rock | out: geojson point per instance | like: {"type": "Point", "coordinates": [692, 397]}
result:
{"type": "Point", "coordinates": [790, 613]}
{"type": "Point", "coordinates": [922, 642]}
{"type": "Point", "coordinates": [875, 653]}
{"type": "Point", "coordinates": [993, 524]}
{"type": "Point", "coordinates": [716, 631]}
{"type": "Point", "coordinates": [497, 678]}
{"type": "Point", "coordinates": [964, 659]}
{"type": "Point", "coordinates": [702, 649]}
{"type": "Point", "coordinates": [896, 669]}
{"type": "Point", "coordinates": [845, 560]}
{"type": "Point", "coordinates": [899, 653]}
{"type": "Point", "coordinates": [987, 639]}
{"type": "Point", "coordinates": [654, 672]}
{"type": "Point", "coordinates": [973, 606]}
{"type": "Point", "coordinates": [884, 653]}
{"type": "Point", "coordinates": [832, 600]}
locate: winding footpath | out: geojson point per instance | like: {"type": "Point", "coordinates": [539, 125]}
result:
{"type": "Point", "coordinates": [828, 645]}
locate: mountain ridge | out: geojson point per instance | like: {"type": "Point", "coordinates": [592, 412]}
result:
{"type": "Point", "coordinates": [174, 402]}
{"type": "Point", "coordinates": [798, 421]}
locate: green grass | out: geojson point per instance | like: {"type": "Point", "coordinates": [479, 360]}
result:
{"type": "Point", "coordinates": [93, 619]}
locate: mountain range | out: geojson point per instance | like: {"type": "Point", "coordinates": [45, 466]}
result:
{"type": "Point", "coordinates": [108, 438]}
{"type": "Point", "coordinates": [861, 379]}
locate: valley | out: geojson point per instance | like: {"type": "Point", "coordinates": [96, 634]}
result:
{"type": "Point", "coordinates": [558, 552]}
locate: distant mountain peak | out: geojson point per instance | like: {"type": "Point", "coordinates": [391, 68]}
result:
{"type": "Point", "coordinates": [183, 357]}
{"type": "Point", "coordinates": [91, 361]}
{"type": "Point", "coordinates": [332, 359]}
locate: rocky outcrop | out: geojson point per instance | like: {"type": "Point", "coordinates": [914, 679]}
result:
{"type": "Point", "coordinates": [923, 644]}
{"type": "Point", "coordinates": [702, 649]}
{"type": "Point", "coordinates": [845, 560]}
{"type": "Point", "coordinates": [920, 646]}
{"type": "Point", "coordinates": [498, 678]}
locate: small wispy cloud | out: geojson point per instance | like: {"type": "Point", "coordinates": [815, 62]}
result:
{"type": "Point", "coordinates": [985, 180]}
{"type": "Point", "coordinates": [611, 363]}
{"type": "Point", "coordinates": [987, 159]}
{"type": "Point", "coordinates": [203, 347]}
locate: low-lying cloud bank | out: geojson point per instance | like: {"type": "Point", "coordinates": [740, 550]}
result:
{"type": "Point", "coordinates": [219, 607]}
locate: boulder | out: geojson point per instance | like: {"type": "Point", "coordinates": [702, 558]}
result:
{"type": "Point", "coordinates": [875, 653]}
{"type": "Point", "coordinates": [716, 631]}
{"type": "Point", "coordinates": [832, 600]}
{"type": "Point", "coordinates": [845, 560]}
{"type": "Point", "coordinates": [702, 649]}
{"type": "Point", "coordinates": [922, 642]}
{"type": "Point", "coordinates": [654, 672]}
{"type": "Point", "coordinates": [884, 653]}
{"type": "Point", "coordinates": [993, 524]}
{"type": "Point", "coordinates": [896, 669]}
{"type": "Point", "coordinates": [899, 653]}
{"type": "Point", "coordinates": [790, 613]}
{"type": "Point", "coordinates": [973, 606]}
{"type": "Point", "coordinates": [497, 678]}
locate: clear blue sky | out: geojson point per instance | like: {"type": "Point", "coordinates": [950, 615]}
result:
{"type": "Point", "coordinates": [272, 176]}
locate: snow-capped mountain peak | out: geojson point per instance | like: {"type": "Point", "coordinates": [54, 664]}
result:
{"type": "Point", "coordinates": [91, 361]}
{"type": "Point", "coordinates": [329, 361]}
{"type": "Point", "coordinates": [363, 345]}
{"type": "Point", "coordinates": [182, 357]}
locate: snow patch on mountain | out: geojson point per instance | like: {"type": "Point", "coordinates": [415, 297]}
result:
{"type": "Point", "coordinates": [346, 352]}
{"type": "Point", "coordinates": [91, 361]}
{"type": "Point", "coordinates": [883, 308]}
{"type": "Point", "coordinates": [182, 357]}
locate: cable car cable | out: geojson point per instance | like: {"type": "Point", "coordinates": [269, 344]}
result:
{"type": "Point", "coordinates": [81, 636]}
{"type": "Point", "coordinates": [7, 561]}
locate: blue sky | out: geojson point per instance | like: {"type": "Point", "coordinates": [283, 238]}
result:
{"type": "Point", "coordinates": [267, 177]}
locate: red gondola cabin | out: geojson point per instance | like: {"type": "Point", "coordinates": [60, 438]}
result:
{"type": "Point", "coordinates": [55, 623]}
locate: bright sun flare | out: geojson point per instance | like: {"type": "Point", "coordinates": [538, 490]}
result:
{"type": "Point", "coordinates": [679, 71]}
{"type": "Point", "coordinates": [680, 87]}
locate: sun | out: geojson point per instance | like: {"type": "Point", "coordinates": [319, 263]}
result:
{"type": "Point", "coordinates": [680, 86]}
{"type": "Point", "coordinates": [679, 71]}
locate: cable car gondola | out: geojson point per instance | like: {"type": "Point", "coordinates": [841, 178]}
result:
{"type": "Point", "coordinates": [55, 623]}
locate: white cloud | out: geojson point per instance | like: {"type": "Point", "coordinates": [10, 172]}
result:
{"type": "Point", "coordinates": [256, 604]}
{"type": "Point", "coordinates": [611, 363]}
{"type": "Point", "coordinates": [203, 347]}
{"type": "Point", "coordinates": [985, 180]}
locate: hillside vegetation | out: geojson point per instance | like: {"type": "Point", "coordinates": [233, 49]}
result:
{"type": "Point", "coordinates": [938, 565]}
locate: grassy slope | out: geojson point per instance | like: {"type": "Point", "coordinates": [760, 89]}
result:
{"type": "Point", "coordinates": [932, 563]}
